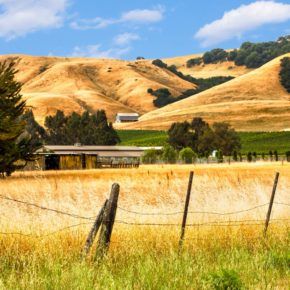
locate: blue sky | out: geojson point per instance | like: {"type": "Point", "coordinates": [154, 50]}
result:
{"type": "Point", "coordinates": [127, 29]}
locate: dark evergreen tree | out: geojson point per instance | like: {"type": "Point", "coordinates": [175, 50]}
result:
{"type": "Point", "coordinates": [285, 73]}
{"type": "Point", "coordinates": [15, 148]}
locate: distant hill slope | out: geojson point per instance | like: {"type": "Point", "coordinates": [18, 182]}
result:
{"type": "Point", "coordinates": [227, 68]}
{"type": "Point", "coordinates": [254, 101]}
{"type": "Point", "coordinates": [77, 84]}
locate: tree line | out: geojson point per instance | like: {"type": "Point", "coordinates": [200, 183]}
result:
{"type": "Point", "coordinates": [164, 96]}
{"type": "Point", "coordinates": [252, 55]}
{"type": "Point", "coordinates": [189, 140]}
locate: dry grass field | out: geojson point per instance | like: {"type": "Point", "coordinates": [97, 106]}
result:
{"type": "Point", "coordinates": [255, 101]}
{"type": "Point", "coordinates": [217, 250]}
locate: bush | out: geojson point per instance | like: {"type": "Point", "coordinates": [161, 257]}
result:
{"type": "Point", "coordinates": [150, 156]}
{"type": "Point", "coordinates": [288, 156]}
{"type": "Point", "coordinates": [224, 280]}
{"type": "Point", "coordinates": [194, 61]}
{"type": "Point", "coordinates": [214, 56]}
{"type": "Point", "coordinates": [249, 157]}
{"type": "Point", "coordinates": [285, 73]}
{"type": "Point", "coordinates": [169, 155]}
{"type": "Point", "coordinates": [187, 155]}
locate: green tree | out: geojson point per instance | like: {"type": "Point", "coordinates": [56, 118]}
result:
{"type": "Point", "coordinates": [187, 155]}
{"type": "Point", "coordinates": [15, 148]}
{"type": "Point", "coordinates": [180, 135]}
{"type": "Point", "coordinates": [150, 156]}
{"type": "Point", "coordinates": [169, 155]}
{"type": "Point", "coordinates": [226, 138]}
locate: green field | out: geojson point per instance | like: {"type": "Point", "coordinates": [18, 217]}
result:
{"type": "Point", "coordinates": [260, 142]}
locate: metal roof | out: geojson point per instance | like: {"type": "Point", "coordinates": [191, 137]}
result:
{"type": "Point", "coordinates": [102, 151]}
{"type": "Point", "coordinates": [128, 114]}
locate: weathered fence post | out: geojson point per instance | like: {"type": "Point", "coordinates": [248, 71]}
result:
{"type": "Point", "coordinates": [94, 230]}
{"type": "Point", "coordinates": [108, 221]}
{"type": "Point", "coordinates": [271, 203]}
{"type": "Point", "coordinates": [186, 208]}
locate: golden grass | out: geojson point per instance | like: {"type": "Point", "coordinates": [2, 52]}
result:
{"type": "Point", "coordinates": [144, 257]}
{"type": "Point", "coordinates": [77, 84]}
{"type": "Point", "coordinates": [255, 101]}
{"type": "Point", "coordinates": [149, 189]}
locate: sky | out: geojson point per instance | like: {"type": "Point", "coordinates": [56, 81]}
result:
{"type": "Point", "coordinates": [127, 29]}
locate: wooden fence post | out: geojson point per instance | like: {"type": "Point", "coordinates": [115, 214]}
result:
{"type": "Point", "coordinates": [108, 221]}
{"type": "Point", "coordinates": [94, 230]}
{"type": "Point", "coordinates": [186, 208]}
{"type": "Point", "coordinates": [271, 203]}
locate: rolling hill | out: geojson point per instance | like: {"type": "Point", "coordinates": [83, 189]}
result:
{"type": "Point", "coordinates": [253, 101]}
{"type": "Point", "coordinates": [78, 84]}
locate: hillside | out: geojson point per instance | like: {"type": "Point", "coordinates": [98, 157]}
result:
{"type": "Point", "coordinates": [77, 84]}
{"type": "Point", "coordinates": [254, 101]}
{"type": "Point", "coordinates": [227, 68]}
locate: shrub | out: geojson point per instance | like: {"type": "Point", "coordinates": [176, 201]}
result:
{"type": "Point", "coordinates": [249, 157]}
{"type": "Point", "coordinates": [285, 73]}
{"type": "Point", "coordinates": [224, 280]}
{"type": "Point", "coordinates": [288, 156]}
{"type": "Point", "coordinates": [193, 61]}
{"type": "Point", "coordinates": [150, 156]}
{"type": "Point", "coordinates": [187, 155]}
{"type": "Point", "coordinates": [169, 155]}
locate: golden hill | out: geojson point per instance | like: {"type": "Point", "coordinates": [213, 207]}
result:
{"type": "Point", "coordinates": [78, 84]}
{"type": "Point", "coordinates": [227, 68]}
{"type": "Point", "coordinates": [254, 101]}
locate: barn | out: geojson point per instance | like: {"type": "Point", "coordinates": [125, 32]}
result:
{"type": "Point", "coordinates": [63, 157]}
{"type": "Point", "coordinates": [127, 117]}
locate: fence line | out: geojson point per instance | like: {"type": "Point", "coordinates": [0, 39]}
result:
{"type": "Point", "coordinates": [45, 208]}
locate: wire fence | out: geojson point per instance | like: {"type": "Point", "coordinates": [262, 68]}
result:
{"type": "Point", "coordinates": [229, 223]}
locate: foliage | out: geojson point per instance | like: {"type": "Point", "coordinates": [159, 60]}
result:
{"type": "Point", "coordinates": [15, 148]}
{"type": "Point", "coordinates": [187, 155]}
{"type": "Point", "coordinates": [164, 96]}
{"type": "Point", "coordinates": [261, 142]}
{"type": "Point", "coordinates": [252, 55]}
{"type": "Point", "coordinates": [214, 56]}
{"type": "Point", "coordinates": [36, 133]}
{"type": "Point", "coordinates": [202, 139]}
{"type": "Point", "coordinates": [150, 156]}
{"type": "Point", "coordinates": [169, 155]}
{"type": "Point", "coordinates": [225, 280]}
{"type": "Point", "coordinates": [88, 129]}
{"type": "Point", "coordinates": [226, 138]}
{"type": "Point", "coordinates": [285, 73]}
{"type": "Point", "coordinates": [194, 61]}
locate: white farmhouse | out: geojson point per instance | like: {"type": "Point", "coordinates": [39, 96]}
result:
{"type": "Point", "coordinates": [127, 117]}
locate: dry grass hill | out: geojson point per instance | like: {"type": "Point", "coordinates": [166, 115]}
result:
{"type": "Point", "coordinates": [253, 101]}
{"type": "Point", "coordinates": [77, 84]}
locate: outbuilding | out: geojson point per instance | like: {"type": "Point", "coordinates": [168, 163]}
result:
{"type": "Point", "coordinates": [127, 117]}
{"type": "Point", "coordinates": [63, 157]}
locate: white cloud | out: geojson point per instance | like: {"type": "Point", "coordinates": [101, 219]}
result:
{"type": "Point", "coordinates": [96, 52]}
{"type": "Point", "coordinates": [145, 16]}
{"type": "Point", "coordinates": [126, 38]}
{"type": "Point", "coordinates": [20, 17]}
{"type": "Point", "coordinates": [245, 18]}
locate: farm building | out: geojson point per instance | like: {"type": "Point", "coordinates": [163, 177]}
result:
{"type": "Point", "coordinates": [61, 157]}
{"type": "Point", "coordinates": [127, 117]}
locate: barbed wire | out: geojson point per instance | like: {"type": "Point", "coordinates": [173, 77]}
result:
{"type": "Point", "coordinates": [195, 212]}
{"type": "Point", "coordinates": [48, 234]}
{"type": "Point", "coordinates": [46, 208]}
{"type": "Point", "coordinates": [282, 203]}
{"type": "Point", "coordinates": [214, 223]}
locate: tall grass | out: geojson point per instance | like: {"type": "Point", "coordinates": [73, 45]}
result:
{"type": "Point", "coordinates": [146, 257]}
